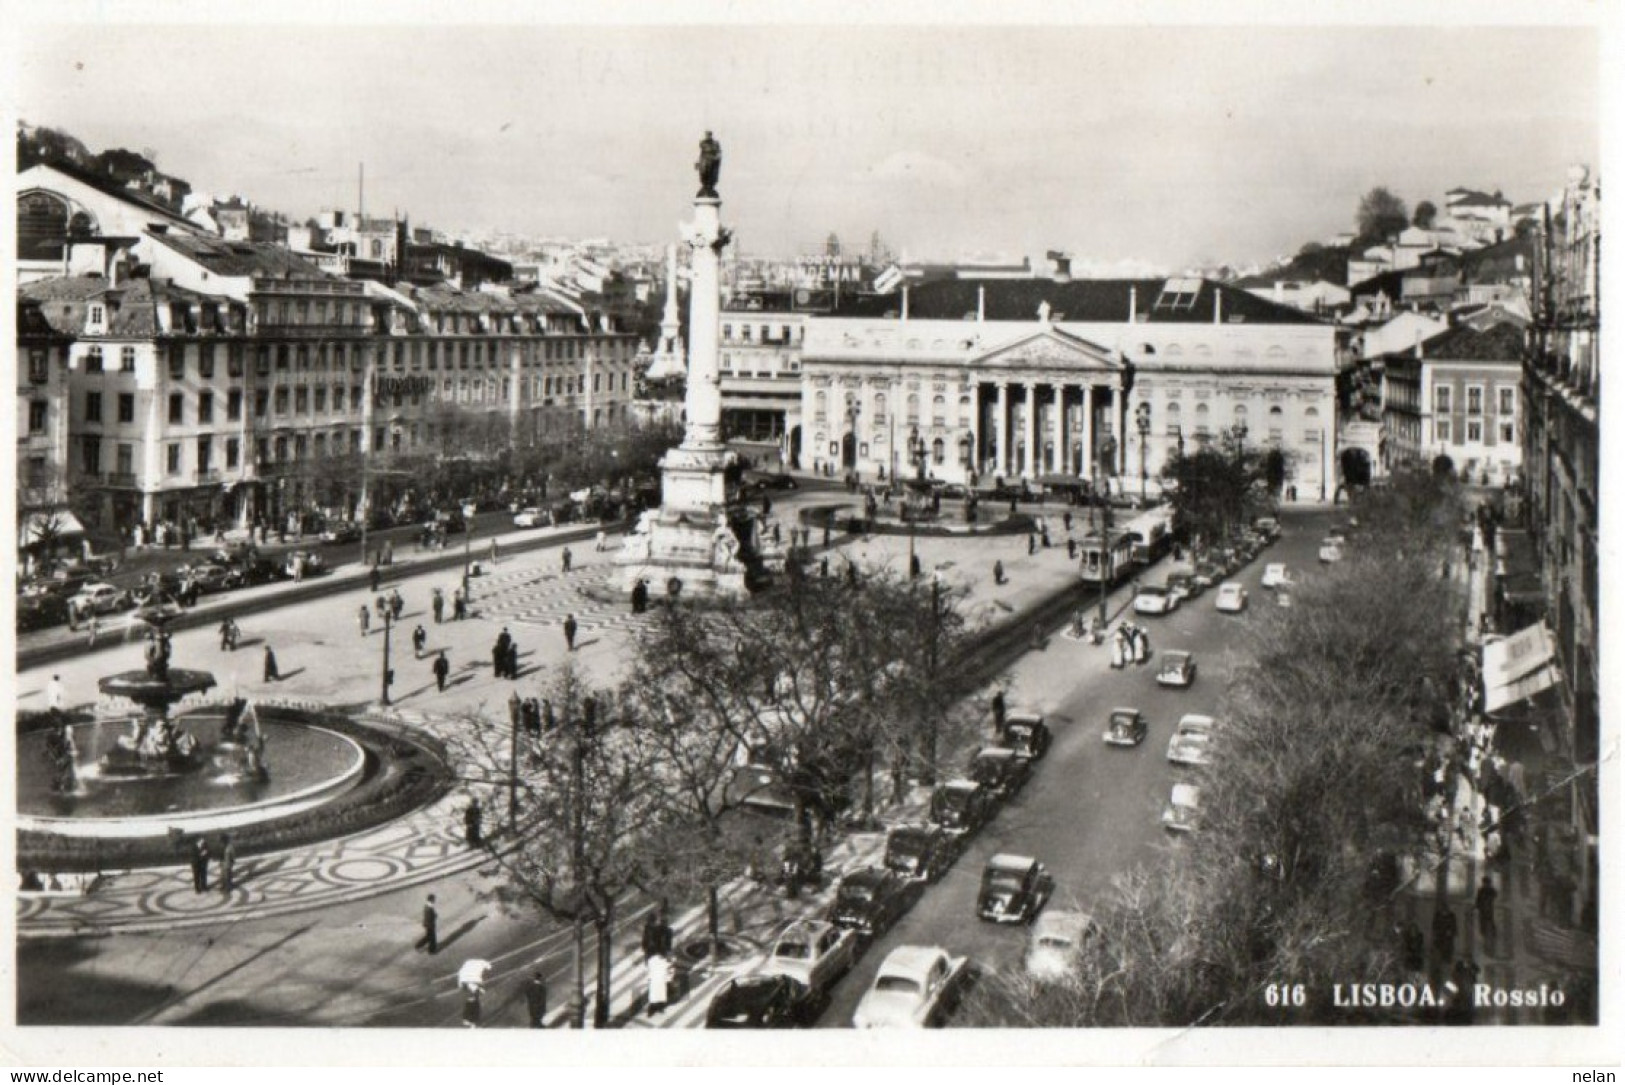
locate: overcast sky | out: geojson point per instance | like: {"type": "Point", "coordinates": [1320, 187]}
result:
{"type": "Point", "coordinates": [1169, 145]}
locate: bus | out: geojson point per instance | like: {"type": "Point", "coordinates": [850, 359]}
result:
{"type": "Point", "coordinates": [1152, 534]}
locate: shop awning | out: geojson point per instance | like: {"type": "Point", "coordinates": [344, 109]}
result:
{"type": "Point", "coordinates": [40, 527]}
{"type": "Point", "coordinates": [1519, 666]}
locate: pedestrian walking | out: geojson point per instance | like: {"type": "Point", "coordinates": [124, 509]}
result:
{"type": "Point", "coordinates": [437, 603]}
{"type": "Point", "coordinates": [200, 866]}
{"type": "Point", "coordinates": [396, 604]}
{"type": "Point", "coordinates": [381, 605]}
{"type": "Point", "coordinates": [564, 559]}
{"type": "Point", "coordinates": [640, 597]}
{"type": "Point", "coordinates": [420, 638]}
{"type": "Point", "coordinates": [441, 668]}
{"type": "Point", "coordinates": [459, 605]}
{"type": "Point", "coordinates": [1484, 905]}
{"type": "Point", "coordinates": [1444, 935]}
{"type": "Point", "coordinates": [512, 661]}
{"type": "Point", "coordinates": [658, 936]}
{"type": "Point", "coordinates": [227, 642]}
{"type": "Point", "coordinates": [92, 627]}
{"type": "Point", "coordinates": [431, 923]}
{"type": "Point", "coordinates": [228, 864]}
{"type": "Point", "coordinates": [472, 828]}
{"type": "Point", "coordinates": [998, 572]}
{"type": "Point", "coordinates": [374, 579]}
{"type": "Point", "coordinates": [53, 693]}
{"type": "Point", "coordinates": [659, 969]}
{"type": "Point", "coordinates": [271, 672]}
{"type": "Point", "coordinates": [1071, 547]}
{"type": "Point", "coordinates": [569, 632]}
{"type": "Point", "coordinates": [536, 1000]}
{"type": "Point", "coordinates": [1066, 520]}
{"type": "Point", "coordinates": [998, 711]}
{"type": "Point", "coordinates": [914, 566]}
{"type": "Point", "coordinates": [600, 543]}
{"type": "Point", "coordinates": [493, 551]}
{"type": "Point", "coordinates": [363, 619]}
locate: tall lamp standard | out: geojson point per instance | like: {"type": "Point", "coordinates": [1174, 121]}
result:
{"type": "Point", "coordinates": [1142, 422]}
{"type": "Point", "coordinates": [1108, 448]}
{"type": "Point", "coordinates": [853, 408]}
{"type": "Point", "coordinates": [388, 675]}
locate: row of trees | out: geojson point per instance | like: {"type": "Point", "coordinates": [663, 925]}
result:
{"type": "Point", "coordinates": [631, 790]}
{"type": "Point", "coordinates": [1216, 491]}
{"type": "Point", "coordinates": [1308, 802]}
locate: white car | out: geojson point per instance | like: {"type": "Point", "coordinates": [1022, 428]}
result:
{"type": "Point", "coordinates": [1176, 669]}
{"type": "Point", "coordinates": [1274, 575]}
{"type": "Point", "coordinates": [1331, 550]}
{"type": "Point", "coordinates": [1155, 599]}
{"type": "Point", "coordinates": [1057, 942]}
{"type": "Point", "coordinates": [915, 988]}
{"type": "Point", "coordinates": [813, 951]}
{"type": "Point", "coordinates": [98, 599]}
{"type": "Point", "coordinates": [1189, 744]}
{"type": "Point", "coordinates": [1232, 598]}
{"type": "Point", "coordinates": [532, 517]}
{"type": "Point", "coordinates": [1184, 810]}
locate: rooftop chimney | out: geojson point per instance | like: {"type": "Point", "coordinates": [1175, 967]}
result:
{"type": "Point", "coordinates": [1063, 266]}
{"type": "Point", "coordinates": [1218, 306]}
{"type": "Point", "coordinates": [981, 304]}
{"type": "Point", "coordinates": [905, 301]}
{"type": "Point", "coordinates": [1133, 294]}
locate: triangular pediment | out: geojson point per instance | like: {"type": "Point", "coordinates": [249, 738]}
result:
{"type": "Point", "coordinates": [1051, 348]}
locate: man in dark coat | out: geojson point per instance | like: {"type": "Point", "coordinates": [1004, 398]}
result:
{"type": "Point", "coordinates": [271, 672]}
{"type": "Point", "coordinates": [228, 863]}
{"type": "Point", "coordinates": [200, 866]}
{"type": "Point", "coordinates": [512, 661]}
{"type": "Point", "coordinates": [472, 830]}
{"type": "Point", "coordinates": [570, 632]}
{"type": "Point", "coordinates": [536, 1000]}
{"type": "Point", "coordinates": [438, 604]}
{"type": "Point", "coordinates": [420, 637]}
{"type": "Point", "coordinates": [431, 921]}
{"type": "Point", "coordinates": [657, 934]}
{"type": "Point", "coordinates": [374, 579]}
{"type": "Point", "coordinates": [442, 668]}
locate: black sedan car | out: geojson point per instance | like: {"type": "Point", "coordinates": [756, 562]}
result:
{"type": "Point", "coordinates": [961, 806]}
{"type": "Point", "coordinates": [1027, 734]}
{"type": "Point", "coordinates": [871, 899]}
{"type": "Point", "coordinates": [1001, 771]}
{"type": "Point", "coordinates": [761, 1001]}
{"type": "Point", "coordinates": [1014, 889]}
{"type": "Point", "coordinates": [921, 851]}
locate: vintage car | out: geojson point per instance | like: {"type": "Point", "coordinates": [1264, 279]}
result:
{"type": "Point", "coordinates": [532, 516]}
{"type": "Point", "coordinates": [40, 610]}
{"type": "Point", "coordinates": [1176, 669]}
{"type": "Point", "coordinates": [765, 1000]}
{"type": "Point", "coordinates": [1002, 772]}
{"type": "Point", "coordinates": [1207, 573]}
{"type": "Point", "coordinates": [759, 788]}
{"type": "Point", "coordinates": [1184, 811]}
{"type": "Point", "coordinates": [921, 851]}
{"type": "Point", "coordinates": [1268, 526]}
{"type": "Point", "coordinates": [1057, 942]}
{"type": "Point", "coordinates": [99, 599]}
{"type": "Point", "coordinates": [1232, 598]}
{"type": "Point", "coordinates": [871, 899]}
{"type": "Point", "coordinates": [1027, 734]}
{"type": "Point", "coordinates": [814, 952]}
{"type": "Point", "coordinates": [1274, 575]}
{"type": "Point", "coordinates": [1014, 889]}
{"type": "Point", "coordinates": [207, 577]}
{"type": "Point", "coordinates": [1331, 550]}
{"type": "Point", "coordinates": [1182, 586]}
{"type": "Point", "coordinates": [915, 987]}
{"type": "Point", "coordinates": [772, 480]}
{"type": "Point", "coordinates": [1155, 599]}
{"type": "Point", "coordinates": [961, 806]}
{"type": "Point", "coordinates": [314, 563]}
{"type": "Point", "coordinates": [339, 531]}
{"type": "Point", "coordinates": [1125, 727]}
{"type": "Point", "coordinates": [1189, 743]}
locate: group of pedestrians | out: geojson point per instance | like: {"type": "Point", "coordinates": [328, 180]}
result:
{"type": "Point", "coordinates": [200, 857]}
{"type": "Point", "coordinates": [1130, 644]}
{"type": "Point", "coordinates": [505, 656]}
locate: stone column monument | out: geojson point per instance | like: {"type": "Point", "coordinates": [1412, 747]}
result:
{"type": "Point", "coordinates": [690, 545]}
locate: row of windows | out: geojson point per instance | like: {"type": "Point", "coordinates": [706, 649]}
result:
{"type": "Point", "coordinates": [303, 358]}
{"type": "Point", "coordinates": [763, 334]}
{"type": "Point", "coordinates": [1506, 399]}
{"type": "Point", "coordinates": [1474, 431]}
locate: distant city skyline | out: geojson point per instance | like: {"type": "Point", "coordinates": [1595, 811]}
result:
{"type": "Point", "coordinates": [1170, 145]}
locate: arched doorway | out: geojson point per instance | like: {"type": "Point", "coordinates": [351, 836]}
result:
{"type": "Point", "coordinates": [849, 451]}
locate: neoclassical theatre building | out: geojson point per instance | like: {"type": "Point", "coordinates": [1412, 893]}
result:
{"type": "Point", "coordinates": [1027, 378]}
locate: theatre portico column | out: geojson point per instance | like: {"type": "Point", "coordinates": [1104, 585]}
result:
{"type": "Point", "coordinates": [1088, 430]}
{"type": "Point", "coordinates": [1029, 431]}
{"type": "Point", "coordinates": [1060, 430]}
{"type": "Point", "coordinates": [1001, 431]}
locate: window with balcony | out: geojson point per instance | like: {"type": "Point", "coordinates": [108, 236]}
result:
{"type": "Point", "coordinates": [177, 410]}
{"type": "Point", "coordinates": [1475, 399]}
{"type": "Point", "coordinates": [126, 407]}
{"type": "Point", "coordinates": [262, 399]}
{"type": "Point", "coordinates": [90, 454]}
{"type": "Point", "coordinates": [234, 406]}
{"type": "Point", "coordinates": [124, 458]}
{"type": "Point", "coordinates": [282, 358]}
{"type": "Point", "coordinates": [93, 407]}
{"type": "Point", "coordinates": [281, 401]}
{"type": "Point", "coordinates": [301, 399]}
{"type": "Point", "coordinates": [172, 458]}
{"type": "Point", "coordinates": [1441, 399]}
{"type": "Point", "coordinates": [205, 361]}
{"type": "Point", "coordinates": [39, 412]}
{"type": "Point", "coordinates": [1508, 398]}
{"type": "Point", "coordinates": [321, 397]}
{"type": "Point", "coordinates": [233, 452]}
{"type": "Point", "coordinates": [39, 367]}
{"type": "Point", "coordinates": [234, 360]}
{"type": "Point", "coordinates": [205, 455]}
{"type": "Point", "coordinates": [205, 408]}
{"type": "Point", "coordinates": [1475, 431]}
{"type": "Point", "coordinates": [177, 362]}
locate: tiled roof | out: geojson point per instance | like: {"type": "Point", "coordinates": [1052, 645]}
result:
{"type": "Point", "coordinates": [1386, 282]}
{"type": "Point", "coordinates": [239, 258]}
{"type": "Point", "coordinates": [1498, 343]}
{"type": "Point", "coordinates": [1078, 301]}
{"type": "Point", "coordinates": [62, 302]}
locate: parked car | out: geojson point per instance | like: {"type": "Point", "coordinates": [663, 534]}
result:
{"type": "Point", "coordinates": [1268, 526]}
{"type": "Point", "coordinates": [1191, 740]}
{"type": "Point", "coordinates": [921, 851]}
{"type": "Point", "coordinates": [40, 611]}
{"type": "Point", "coordinates": [234, 553]}
{"type": "Point", "coordinates": [1155, 599]}
{"type": "Point", "coordinates": [1014, 889]}
{"type": "Point", "coordinates": [1183, 813]}
{"type": "Point", "coordinates": [1182, 586]}
{"type": "Point", "coordinates": [772, 480]}
{"type": "Point", "coordinates": [1027, 734]}
{"type": "Point", "coordinates": [208, 577]}
{"type": "Point", "coordinates": [1057, 943]}
{"type": "Point", "coordinates": [999, 770]}
{"type": "Point", "coordinates": [961, 806]}
{"type": "Point", "coordinates": [314, 563]}
{"type": "Point", "coordinates": [530, 517]}
{"type": "Point", "coordinates": [1207, 573]}
{"type": "Point", "coordinates": [1274, 575]}
{"type": "Point", "coordinates": [915, 987]}
{"type": "Point", "coordinates": [258, 570]}
{"type": "Point", "coordinates": [1232, 598]}
{"type": "Point", "coordinates": [1331, 550]}
{"type": "Point", "coordinates": [340, 531]}
{"type": "Point", "coordinates": [1176, 669]}
{"type": "Point", "coordinates": [814, 952]}
{"type": "Point", "coordinates": [871, 899]}
{"type": "Point", "coordinates": [1125, 727]}
{"type": "Point", "coordinates": [99, 599]}
{"type": "Point", "coordinates": [765, 1000]}
{"type": "Point", "coordinates": [759, 788]}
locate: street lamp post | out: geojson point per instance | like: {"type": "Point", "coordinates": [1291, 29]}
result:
{"type": "Point", "coordinates": [388, 675]}
{"type": "Point", "coordinates": [1142, 422]}
{"type": "Point", "coordinates": [468, 547]}
{"type": "Point", "coordinates": [852, 410]}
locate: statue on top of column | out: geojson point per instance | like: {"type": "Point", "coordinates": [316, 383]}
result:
{"type": "Point", "coordinates": [709, 166]}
